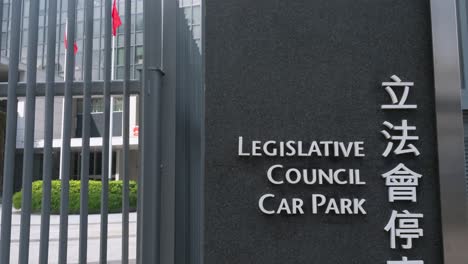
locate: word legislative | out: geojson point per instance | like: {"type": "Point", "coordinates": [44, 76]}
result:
{"type": "Point", "coordinates": [293, 148]}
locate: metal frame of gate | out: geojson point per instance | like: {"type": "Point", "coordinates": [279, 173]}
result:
{"type": "Point", "coordinates": [155, 233]}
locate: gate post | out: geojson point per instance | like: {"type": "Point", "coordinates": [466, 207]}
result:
{"type": "Point", "coordinates": [150, 178]}
{"type": "Point", "coordinates": [149, 206]}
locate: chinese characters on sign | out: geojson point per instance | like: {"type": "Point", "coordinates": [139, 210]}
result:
{"type": "Point", "coordinates": [403, 147]}
{"type": "Point", "coordinates": [398, 104]}
{"type": "Point", "coordinates": [404, 226]}
{"type": "Point", "coordinates": [402, 182]}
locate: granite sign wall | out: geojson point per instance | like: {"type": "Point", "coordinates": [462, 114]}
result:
{"type": "Point", "coordinates": [320, 133]}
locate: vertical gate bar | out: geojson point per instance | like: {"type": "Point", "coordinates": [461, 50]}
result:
{"type": "Point", "coordinates": [182, 170]}
{"type": "Point", "coordinates": [151, 168]}
{"type": "Point", "coordinates": [105, 138]}
{"type": "Point", "coordinates": [1, 20]}
{"type": "Point", "coordinates": [48, 132]}
{"type": "Point", "coordinates": [150, 176]}
{"type": "Point", "coordinates": [88, 64]}
{"type": "Point", "coordinates": [59, 24]}
{"type": "Point", "coordinates": [100, 40]}
{"type": "Point", "coordinates": [66, 135]}
{"type": "Point", "coordinates": [10, 139]}
{"type": "Point", "coordinates": [30, 111]}
{"type": "Point", "coordinates": [139, 185]}
{"type": "Point", "coordinates": [125, 134]}
{"type": "Point", "coordinates": [10, 142]}
{"type": "Point", "coordinates": [25, 3]}
{"type": "Point", "coordinates": [43, 34]}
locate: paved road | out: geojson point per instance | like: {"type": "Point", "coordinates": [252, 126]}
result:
{"type": "Point", "coordinates": [114, 248]}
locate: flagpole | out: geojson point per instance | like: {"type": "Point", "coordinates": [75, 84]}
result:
{"type": "Point", "coordinates": [63, 102]}
{"type": "Point", "coordinates": [113, 58]}
{"type": "Point", "coordinates": [111, 123]}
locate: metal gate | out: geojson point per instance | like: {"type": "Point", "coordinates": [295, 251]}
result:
{"type": "Point", "coordinates": [151, 96]}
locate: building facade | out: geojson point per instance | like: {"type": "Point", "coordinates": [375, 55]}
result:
{"type": "Point", "coordinates": [192, 13]}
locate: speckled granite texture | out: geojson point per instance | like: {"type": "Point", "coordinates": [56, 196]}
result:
{"type": "Point", "coordinates": [312, 70]}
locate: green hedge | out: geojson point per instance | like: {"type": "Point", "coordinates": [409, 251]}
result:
{"type": "Point", "coordinates": [94, 197]}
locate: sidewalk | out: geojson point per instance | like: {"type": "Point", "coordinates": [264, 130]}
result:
{"type": "Point", "coordinates": [113, 245]}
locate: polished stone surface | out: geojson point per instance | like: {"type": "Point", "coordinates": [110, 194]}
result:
{"type": "Point", "coordinates": [312, 70]}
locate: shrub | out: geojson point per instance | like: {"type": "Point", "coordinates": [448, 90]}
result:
{"type": "Point", "coordinates": [94, 197]}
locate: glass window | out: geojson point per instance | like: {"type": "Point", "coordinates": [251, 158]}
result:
{"type": "Point", "coordinates": [95, 73]}
{"type": "Point", "coordinates": [80, 14]}
{"type": "Point", "coordinates": [40, 35]}
{"type": "Point", "coordinates": [40, 49]}
{"type": "Point", "coordinates": [95, 160]}
{"type": "Point", "coordinates": [137, 74]}
{"type": "Point", "coordinates": [79, 105]}
{"type": "Point", "coordinates": [196, 15]}
{"type": "Point", "coordinates": [62, 32]}
{"type": "Point", "coordinates": [79, 30]}
{"type": "Point", "coordinates": [196, 31]}
{"type": "Point", "coordinates": [120, 40]}
{"type": "Point", "coordinates": [119, 73]}
{"type": "Point", "coordinates": [96, 44]}
{"type": "Point", "coordinates": [64, 13]}
{"type": "Point", "coordinates": [24, 37]}
{"type": "Point", "coordinates": [139, 22]}
{"type": "Point", "coordinates": [139, 6]}
{"type": "Point", "coordinates": [97, 9]}
{"type": "Point", "coordinates": [139, 55]}
{"type": "Point", "coordinates": [97, 105]}
{"type": "Point", "coordinates": [185, 2]}
{"type": "Point", "coordinates": [26, 8]}
{"type": "Point", "coordinates": [6, 10]}
{"type": "Point", "coordinates": [95, 58]}
{"type": "Point", "coordinates": [102, 59]}
{"type": "Point", "coordinates": [133, 22]}
{"type": "Point", "coordinates": [139, 38]}
{"type": "Point", "coordinates": [24, 54]}
{"type": "Point", "coordinates": [118, 104]}
{"type": "Point", "coordinates": [25, 23]}
{"type": "Point", "coordinates": [188, 13]}
{"type": "Point", "coordinates": [97, 28]}
{"type": "Point", "coordinates": [4, 40]}
{"type": "Point", "coordinates": [41, 20]}
{"type": "Point", "coordinates": [79, 59]}
{"type": "Point", "coordinates": [76, 164]}
{"type": "Point", "coordinates": [120, 56]}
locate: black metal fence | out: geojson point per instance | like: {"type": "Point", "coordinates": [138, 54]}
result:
{"type": "Point", "coordinates": [31, 89]}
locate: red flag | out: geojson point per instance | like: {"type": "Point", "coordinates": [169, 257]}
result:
{"type": "Point", "coordinates": [65, 41]}
{"type": "Point", "coordinates": [116, 22]}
